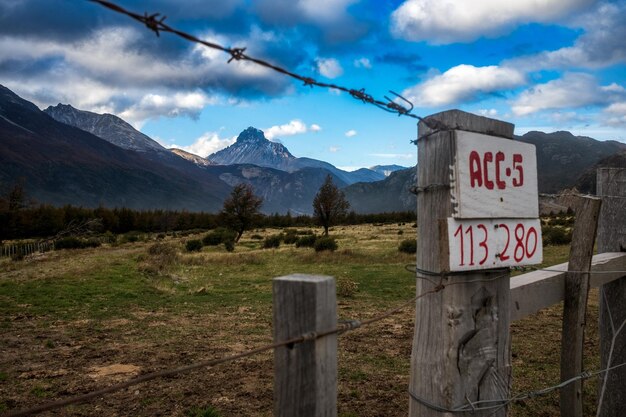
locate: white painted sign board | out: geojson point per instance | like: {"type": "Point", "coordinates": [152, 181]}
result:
{"type": "Point", "coordinates": [493, 243]}
{"type": "Point", "coordinates": [494, 178]}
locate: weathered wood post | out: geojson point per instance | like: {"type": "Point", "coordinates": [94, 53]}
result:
{"type": "Point", "coordinates": [611, 187]}
{"type": "Point", "coordinates": [575, 305]}
{"type": "Point", "coordinates": [461, 346]}
{"type": "Point", "coordinates": [305, 373]}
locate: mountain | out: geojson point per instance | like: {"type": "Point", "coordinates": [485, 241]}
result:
{"type": "Point", "coordinates": [62, 164]}
{"type": "Point", "coordinates": [386, 170]}
{"type": "Point", "coordinates": [563, 161]}
{"type": "Point", "coordinates": [586, 183]}
{"type": "Point", "coordinates": [198, 160]}
{"type": "Point", "coordinates": [562, 157]}
{"type": "Point", "coordinates": [391, 194]}
{"type": "Point", "coordinates": [281, 191]}
{"type": "Point", "coordinates": [253, 148]}
{"type": "Point", "coordinates": [106, 126]}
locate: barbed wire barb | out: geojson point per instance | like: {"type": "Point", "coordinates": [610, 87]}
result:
{"type": "Point", "coordinates": [152, 22]}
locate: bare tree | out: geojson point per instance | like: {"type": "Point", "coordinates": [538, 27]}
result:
{"type": "Point", "coordinates": [241, 209]}
{"type": "Point", "coordinates": [329, 204]}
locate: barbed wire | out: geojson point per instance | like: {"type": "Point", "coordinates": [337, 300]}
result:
{"type": "Point", "coordinates": [342, 327]}
{"type": "Point", "coordinates": [498, 404]}
{"type": "Point", "coordinates": [156, 23]}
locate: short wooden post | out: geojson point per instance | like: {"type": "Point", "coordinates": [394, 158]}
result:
{"type": "Point", "coordinates": [575, 304]}
{"type": "Point", "coordinates": [461, 346]}
{"type": "Point", "coordinates": [305, 373]}
{"type": "Point", "coordinates": [611, 187]}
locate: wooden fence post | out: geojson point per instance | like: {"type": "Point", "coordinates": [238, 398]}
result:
{"type": "Point", "coordinates": [461, 346]}
{"type": "Point", "coordinates": [305, 373]}
{"type": "Point", "coordinates": [611, 186]}
{"type": "Point", "coordinates": [575, 305]}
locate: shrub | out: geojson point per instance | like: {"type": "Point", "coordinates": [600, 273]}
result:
{"type": "Point", "coordinates": [408, 246]}
{"type": "Point", "coordinates": [193, 245]}
{"type": "Point", "coordinates": [272, 241]}
{"type": "Point", "coordinates": [556, 236]}
{"type": "Point", "coordinates": [307, 241]}
{"type": "Point", "coordinates": [229, 245]}
{"type": "Point", "coordinates": [325, 243]}
{"type": "Point", "coordinates": [347, 287]}
{"type": "Point", "coordinates": [160, 256]}
{"type": "Point", "coordinates": [400, 232]}
{"type": "Point", "coordinates": [290, 237]}
{"type": "Point", "coordinates": [160, 236]}
{"type": "Point", "coordinates": [256, 237]}
{"type": "Point", "coordinates": [219, 236]}
{"type": "Point", "coordinates": [69, 242]}
{"type": "Point", "coordinates": [72, 242]}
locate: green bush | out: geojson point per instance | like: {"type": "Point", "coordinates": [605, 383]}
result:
{"type": "Point", "coordinates": [290, 237]}
{"type": "Point", "coordinates": [272, 241]}
{"type": "Point", "coordinates": [306, 241]}
{"type": "Point", "coordinates": [325, 243]}
{"type": "Point", "coordinates": [72, 242]}
{"type": "Point", "coordinates": [193, 245]}
{"type": "Point", "coordinates": [219, 236]}
{"type": "Point", "coordinates": [556, 236]}
{"type": "Point", "coordinates": [408, 246]}
{"type": "Point", "coordinates": [229, 245]}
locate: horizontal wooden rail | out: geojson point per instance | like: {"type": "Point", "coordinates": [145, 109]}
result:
{"type": "Point", "coordinates": [540, 289]}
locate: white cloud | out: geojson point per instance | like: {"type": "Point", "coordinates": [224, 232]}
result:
{"type": "Point", "coordinates": [294, 127]}
{"type": "Point", "coordinates": [572, 91]}
{"type": "Point", "coordinates": [616, 114]}
{"type": "Point", "coordinates": [463, 82]}
{"type": "Point", "coordinates": [349, 168]}
{"type": "Point", "coordinates": [334, 149]}
{"type": "Point", "coordinates": [602, 44]}
{"type": "Point", "coordinates": [350, 133]}
{"type": "Point", "coordinates": [362, 63]}
{"type": "Point", "coordinates": [447, 21]}
{"type": "Point", "coordinates": [169, 105]}
{"type": "Point", "coordinates": [207, 144]}
{"type": "Point", "coordinates": [393, 155]}
{"type": "Point", "coordinates": [324, 11]}
{"type": "Point", "coordinates": [115, 69]}
{"type": "Point", "coordinates": [329, 67]}
{"type": "Point", "coordinates": [488, 112]}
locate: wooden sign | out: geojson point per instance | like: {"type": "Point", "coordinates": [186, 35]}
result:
{"type": "Point", "coordinates": [494, 178]}
{"type": "Point", "coordinates": [492, 243]}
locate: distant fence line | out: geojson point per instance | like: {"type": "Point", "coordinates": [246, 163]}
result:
{"type": "Point", "coordinates": [26, 249]}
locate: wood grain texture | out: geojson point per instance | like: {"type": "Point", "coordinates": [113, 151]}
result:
{"type": "Point", "coordinates": [306, 373]}
{"type": "Point", "coordinates": [611, 186]}
{"type": "Point", "coordinates": [461, 344]}
{"type": "Point", "coordinates": [518, 197]}
{"type": "Point", "coordinates": [575, 303]}
{"type": "Point", "coordinates": [536, 290]}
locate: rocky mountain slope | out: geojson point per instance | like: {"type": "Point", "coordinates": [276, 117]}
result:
{"type": "Point", "coordinates": [61, 164]}
{"type": "Point", "coordinates": [253, 148]}
{"type": "Point", "coordinates": [106, 126]}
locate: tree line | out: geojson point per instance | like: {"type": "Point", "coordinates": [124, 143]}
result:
{"type": "Point", "coordinates": [20, 219]}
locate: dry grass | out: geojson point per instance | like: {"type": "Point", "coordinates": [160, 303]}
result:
{"type": "Point", "coordinates": [71, 312]}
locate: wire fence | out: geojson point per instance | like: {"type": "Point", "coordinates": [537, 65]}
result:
{"type": "Point", "coordinates": [343, 327]}
{"type": "Point", "coordinates": [156, 23]}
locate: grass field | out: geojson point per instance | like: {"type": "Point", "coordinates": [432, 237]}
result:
{"type": "Point", "coordinates": [75, 321]}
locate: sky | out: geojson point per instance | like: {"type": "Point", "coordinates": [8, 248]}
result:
{"type": "Point", "coordinates": [545, 65]}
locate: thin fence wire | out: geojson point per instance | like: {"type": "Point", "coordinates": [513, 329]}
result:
{"type": "Point", "coordinates": [341, 328]}
{"type": "Point", "coordinates": [156, 23]}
